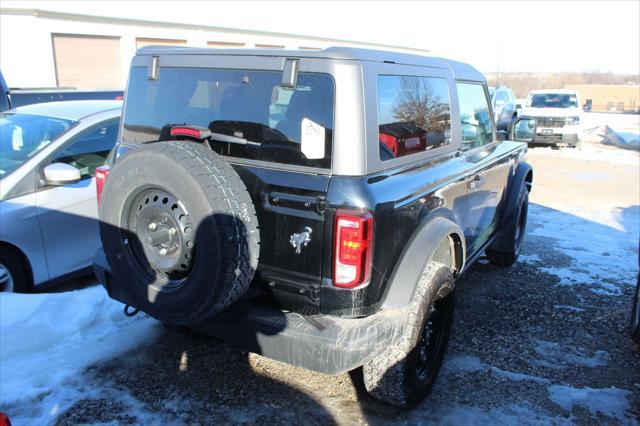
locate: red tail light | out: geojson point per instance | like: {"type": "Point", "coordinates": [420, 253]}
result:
{"type": "Point", "coordinates": [102, 173]}
{"type": "Point", "coordinates": [352, 254]}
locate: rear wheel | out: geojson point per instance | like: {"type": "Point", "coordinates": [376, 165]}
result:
{"type": "Point", "coordinates": [403, 375]}
{"type": "Point", "coordinates": [635, 315]}
{"type": "Point", "coordinates": [511, 242]}
{"type": "Point", "coordinates": [179, 231]}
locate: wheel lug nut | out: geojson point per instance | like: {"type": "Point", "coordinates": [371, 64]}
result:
{"type": "Point", "coordinates": [152, 226]}
{"type": "Point", "coordinates": [172, 231]}
{"type": "Point", "coordinates": [162, 251]}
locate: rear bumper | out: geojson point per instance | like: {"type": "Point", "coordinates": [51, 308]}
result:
{"type": "Point", "coordinates": [322, 343]}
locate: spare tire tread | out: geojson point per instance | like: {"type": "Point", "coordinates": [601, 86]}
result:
{"type": "Point", "coordinates": [239, 281]}
{"type": "Point", "coordinates": [235, 222]}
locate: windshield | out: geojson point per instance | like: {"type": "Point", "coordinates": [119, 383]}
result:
{"type": "Point", "coordinates": [553, 100]}
{"type": "Point", "coordinates": [22, 136]}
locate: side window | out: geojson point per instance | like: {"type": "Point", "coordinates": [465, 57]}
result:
{"type": "Point", "coordinates": [91, 149]}
{"type": "Point", "coordinates": [413, 115]}
{"type": "Point", "coordinates": [476, 125]}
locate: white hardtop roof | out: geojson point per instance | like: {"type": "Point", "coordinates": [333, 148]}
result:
{"type": "Point", "coordinates": [460, 70]}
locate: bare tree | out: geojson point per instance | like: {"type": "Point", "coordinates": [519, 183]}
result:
{"type": "Point", "coordinates": [418, 104]}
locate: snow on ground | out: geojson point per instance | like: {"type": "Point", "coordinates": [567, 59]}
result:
{"type": "Point", "coordinates": [610, 260]}
{"type": "Point", "coordinates": [609, 401]}
{"type": "Point", "coordinates": [48, 340]}
{"type": "Point", "coordinates": [592, 152]}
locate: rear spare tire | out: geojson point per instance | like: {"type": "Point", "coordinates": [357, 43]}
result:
{"type": "Point", "coordinates": [179, 231]}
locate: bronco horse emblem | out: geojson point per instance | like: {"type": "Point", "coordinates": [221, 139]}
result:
{"type": "Point", "coordinates": [301, 240]}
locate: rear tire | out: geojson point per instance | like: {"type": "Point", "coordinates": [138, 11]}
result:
{"type": "Point", "coordinates": [14, 275]}
{"type": "Point", "coordinates": [514, 233]}
{"type": "Point", "coordinates": [179, 231]}
{"type": "Point", "coordinates": [635, 315]}
{"type": "Point", "coordinates": [404, 374]}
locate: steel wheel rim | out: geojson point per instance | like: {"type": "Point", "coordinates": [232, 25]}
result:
{"type": "Point", "coordinates": [159, 240]}
{"type": "Point", "coordinates": [430, 345]}
{"type": "Point", "coordinates": [6, 279]}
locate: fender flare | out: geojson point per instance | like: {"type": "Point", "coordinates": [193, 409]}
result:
{"type": "Point", "coordinates": [523, 175]}
{"type": "Point", "coordinates": [420, 249]}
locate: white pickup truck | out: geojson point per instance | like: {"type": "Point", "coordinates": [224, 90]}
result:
{"type": "Point", "coordinates": [558, 114]}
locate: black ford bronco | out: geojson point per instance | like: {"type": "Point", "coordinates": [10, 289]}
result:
{"type": "Point", "coordinates": [314, 207]}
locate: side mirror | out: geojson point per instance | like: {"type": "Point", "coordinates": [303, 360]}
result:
{"type": "Point", "coordinates": [523, 129]}
{"type": "Point", "coordinates": [61, 174]}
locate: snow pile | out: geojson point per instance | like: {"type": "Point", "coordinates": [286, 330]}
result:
{"type": "Point", "coordinates": [47, 340]}
{"type": "Point", "coordinates": [619, 130]}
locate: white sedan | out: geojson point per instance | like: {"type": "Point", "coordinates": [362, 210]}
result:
{"type": "Point", "coordinates": [48, 212]}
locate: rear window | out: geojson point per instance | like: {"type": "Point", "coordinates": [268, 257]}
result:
{"type": "Point", "coordinates": [290, 126]}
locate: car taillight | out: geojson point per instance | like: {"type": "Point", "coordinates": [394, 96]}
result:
{"type": "Point", "coordinates": [102, 173]}
{"type": "Point", "coordinates": [352, 254]}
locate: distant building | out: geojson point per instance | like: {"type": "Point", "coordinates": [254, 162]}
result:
{"type": "Point", "coordinates": [609, 97]}
{"type": "Point", "coordinates": [42, 48]}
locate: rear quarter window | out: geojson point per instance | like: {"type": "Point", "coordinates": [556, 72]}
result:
{"type": "Point", "coordinates": [243, 103]}
{"type": "Point", "coordinates": [413, 115]}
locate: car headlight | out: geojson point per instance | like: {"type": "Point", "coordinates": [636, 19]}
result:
{"type": "Point", "coordinates": [572, 121]}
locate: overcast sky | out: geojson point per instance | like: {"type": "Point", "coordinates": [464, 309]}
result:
{"type": "Point", "coordinates": [541, 36]}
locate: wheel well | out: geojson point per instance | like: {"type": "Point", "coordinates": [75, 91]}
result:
{"type": "Point", "coordinates": [528, 180]}
{"type": "Point", "coordinates": [25, 261]}
{"type": "Point", "coordinates": [449, 252]}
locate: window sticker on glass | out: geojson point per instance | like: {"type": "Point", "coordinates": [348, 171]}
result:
{"type": "Point", "coordinates": [313, 139]}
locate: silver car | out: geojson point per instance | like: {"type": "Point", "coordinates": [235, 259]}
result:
{"type": "Point", "coordinates": [48, 212]}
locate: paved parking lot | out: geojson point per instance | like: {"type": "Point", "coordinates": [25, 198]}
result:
{"type": "Point", "coordinates": [544, 341]}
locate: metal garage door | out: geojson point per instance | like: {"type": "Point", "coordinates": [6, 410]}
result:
{"type": "Point", "coordinates": [142, 42]}
{"type": "Point", "coordinates": [87, 62]}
